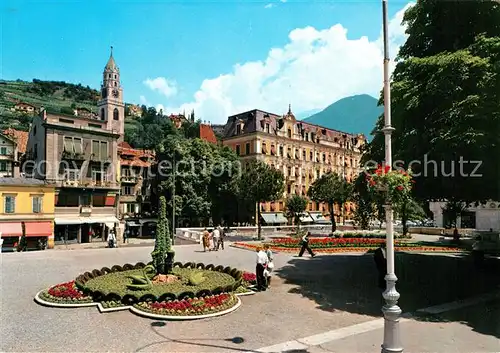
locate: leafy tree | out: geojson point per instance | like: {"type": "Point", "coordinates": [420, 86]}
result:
{"type": "Point", "coordinates": [261, 183]}
{"type": "Point", "coordinates": [332, 189]}
{"type": "Point", "coordinates": [365, 209]}
{"type": "Point", "coordinates": [223, 186]}
{"type": "Point", "coordinates": [453, 209]}
{"type": "Point", "coordinates": [410, 210]}
{"type": "Point", "coordinates": [295, 207]}
{"type": "Point", "coordinates": [446, 100]}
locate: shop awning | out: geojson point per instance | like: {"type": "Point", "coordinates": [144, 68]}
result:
{"type": "Point", "coordinates": [306, 218]}
{"type": "Point", "coordinates": [142, 221]}
{"type": "Point", "coordinates": [132, 224]}
{"type": "Point", "coordinates": [38, 229]}
{"type": "Point", "coordinates": [105, 220]}
{"type": "Point", "coordinates": [11, 229]}
{"type": "Point", "coordinates": [67, 221]}
{"type": "Point", "coordinates": [274, 217]}
{"type": "Point", "coordinates": [86, 220]}
{"type": "Point", "coordinates": [319, 218]}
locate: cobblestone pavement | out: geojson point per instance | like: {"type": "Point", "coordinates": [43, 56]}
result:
{"type": "Point", "coordinates": [308, 296]}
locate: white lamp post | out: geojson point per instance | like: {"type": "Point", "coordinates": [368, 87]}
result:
{"type": "Point", "coordinates": [392, 312]}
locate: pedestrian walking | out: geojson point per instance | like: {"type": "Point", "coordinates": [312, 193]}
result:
{"type": "Point", "coordinates": [270, 264]}
{"type": "Point", "coordinates": [305, 245]}
{"type": "Point", "coordinates": [216, 238]}
{"type": "Point", "coordinates": [206, 240]}
{"type": "Point", "coordinates": [259, 269]}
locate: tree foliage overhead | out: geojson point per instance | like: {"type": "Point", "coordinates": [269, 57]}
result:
{"type": "Point", "coordinates": [446, 100]}
{"type": "Point", "coordinates": [206, 178]}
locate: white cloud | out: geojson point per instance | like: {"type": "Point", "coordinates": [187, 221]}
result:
{"type": "Point", "coordinates": [144, 101]}
{"type": "Point", "coordinates": [316, 68]}
{"type": "Point", "coordinates": [161, 84]}
{"type": "Point", "coordinates": [268, 6]}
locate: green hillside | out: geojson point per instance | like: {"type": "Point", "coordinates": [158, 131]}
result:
{"type": "Point", "coordinates": [355, 114]}
{"type": "Point", "coordinates": [54, 96]}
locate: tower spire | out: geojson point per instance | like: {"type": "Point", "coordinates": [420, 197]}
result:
{"type": "Point", "coordinates": [289, 108]}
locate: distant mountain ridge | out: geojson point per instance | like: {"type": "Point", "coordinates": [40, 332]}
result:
{"type": "Point", "coordinates": [354, 114]}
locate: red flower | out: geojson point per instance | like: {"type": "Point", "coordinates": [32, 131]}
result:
{"type": "Point", "coordinates": [249, 277]}
{"type": "Point", "coordinates": [387, 168]}
{"type": "Point", "coordinates": [66, 290]}
{"type": "Point", "coordinates": [400, 187]}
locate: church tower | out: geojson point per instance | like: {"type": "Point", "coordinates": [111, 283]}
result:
{"type": "Point", "coordinates": [111, 107]}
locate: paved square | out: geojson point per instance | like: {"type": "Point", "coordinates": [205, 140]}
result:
{"type": "Point", "coordinates": [308, 297]}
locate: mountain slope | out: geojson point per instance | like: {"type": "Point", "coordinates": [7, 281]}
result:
{"type": "Point", "coordinates": [354, 114]}
{"type": "Point", "coordinates": [54, 96]}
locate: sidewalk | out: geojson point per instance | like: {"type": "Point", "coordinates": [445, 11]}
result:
{"type": "Point", "coordinates": [469, 329]}
{"type": "Point", "coordinates": [474, 329]}
{"type": "Point", "coordinates": [103, 244]}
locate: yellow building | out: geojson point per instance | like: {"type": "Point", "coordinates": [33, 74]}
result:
{"type": "Point", "coordinates": [28, 201]}
{"type": "Point", "coordinates": [302, 151]}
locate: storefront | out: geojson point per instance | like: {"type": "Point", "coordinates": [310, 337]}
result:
{"type": "Point", "coordinates": [83, 229]}
{"type": "Point", "coordinates": [39, 235]}
{"type": "Point", "coordinates": [141, 228]}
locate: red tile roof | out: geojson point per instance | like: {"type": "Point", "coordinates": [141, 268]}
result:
{"type": "Point", "coordinates": [21, 138]}
{"type": "Point", "coordinates": [134, 157]}
{"type": "Point", "coordinates": [207, 134]}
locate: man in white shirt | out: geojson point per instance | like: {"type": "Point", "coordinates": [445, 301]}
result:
{"type": "Point", "coordinates": [262, 261]}
{"type": "Point", "coordinates": [216, 238]}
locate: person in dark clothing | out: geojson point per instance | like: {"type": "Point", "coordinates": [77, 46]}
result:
{"type": "Point", "coordinates": [305, 245]}
{"type": "Point", "coordinates": [381, 263]}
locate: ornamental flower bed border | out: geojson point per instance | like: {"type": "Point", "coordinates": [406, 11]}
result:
{"type": "Point", "coordinates": [65, 293]}
{"type": "Point", "coordinates": [191, 306]}
{"type": "Point", "coordinates": [416, 248]}
{"type": "Point", "coordinates": [73, 294]}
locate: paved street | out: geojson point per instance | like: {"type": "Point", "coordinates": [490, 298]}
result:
{"type": "Point", "coordinates": [308, 297]}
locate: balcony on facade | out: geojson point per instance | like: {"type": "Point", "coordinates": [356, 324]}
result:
{"type": "Point", "coordinates": [129, 198]}
{"type": "Point", "coordinates": [129, 179]}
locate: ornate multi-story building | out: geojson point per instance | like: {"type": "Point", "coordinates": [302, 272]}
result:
{"type": "Point", "coordinates": [79, 155]}
{"type": "Point", "coordinates": [302, 151]}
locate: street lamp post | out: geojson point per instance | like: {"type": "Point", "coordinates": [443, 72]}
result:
{"type": "Point", "coordinates": [392, 312]}
{"type": "Point", "coordinates": [173, 202]}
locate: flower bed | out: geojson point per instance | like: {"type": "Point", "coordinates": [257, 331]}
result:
{"type": "Point", "coordinates": [196, 290]}
{"type": "Point", "coordinates": [249, 279]}
{"type": "Point", "coordinates": [191, 306]}
{"type": "Point", "coordinates": [330, 245]}
{"type": "Point", "coordinates": [65, 293]}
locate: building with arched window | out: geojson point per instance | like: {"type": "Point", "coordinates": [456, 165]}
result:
{"type": "Point", "coordinates": [79, 155]}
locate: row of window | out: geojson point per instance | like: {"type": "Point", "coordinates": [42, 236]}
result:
{"type": "Point", "coordinates": [75, 145]}
{"type": "Point", "coordinates": [5, 166]}
{"type": "Point", "coordinates": [10, 204]}
{"type": "Point", "coordinates": [3, 151]}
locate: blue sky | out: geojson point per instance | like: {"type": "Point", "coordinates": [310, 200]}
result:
{"type": "Point", "coordinates": [185, 42]}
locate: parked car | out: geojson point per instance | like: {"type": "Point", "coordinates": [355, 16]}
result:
{"type": "Point", "coordinates": [487, 244]}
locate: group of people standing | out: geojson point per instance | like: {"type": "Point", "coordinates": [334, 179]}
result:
{"type": "Point", "coordinates": [213, 240]}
